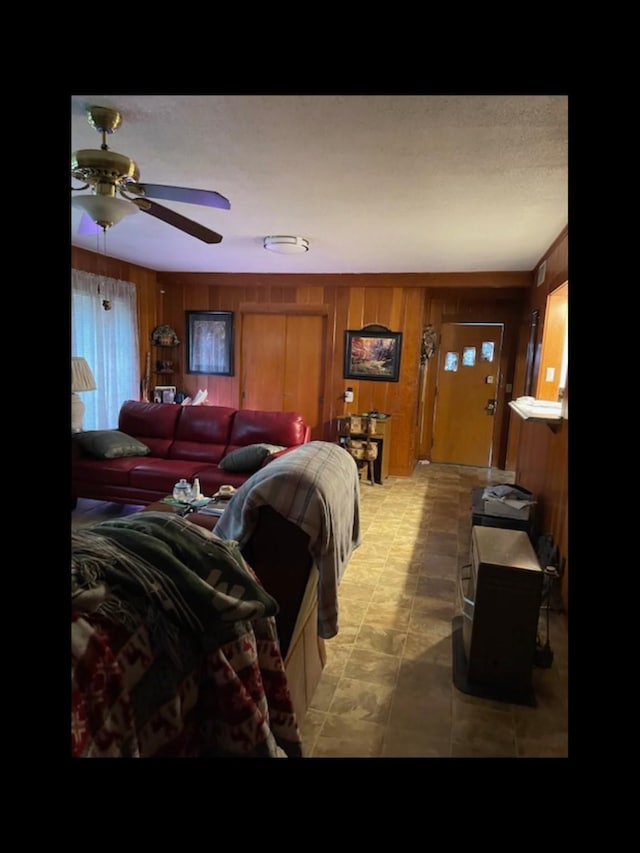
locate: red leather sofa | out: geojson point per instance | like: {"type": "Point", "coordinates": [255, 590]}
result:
{"type": "Point", "coordinates": [184, 441]}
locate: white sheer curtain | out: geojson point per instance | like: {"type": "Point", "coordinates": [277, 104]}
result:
{"type": "Point", "coordinates": [109, 342]}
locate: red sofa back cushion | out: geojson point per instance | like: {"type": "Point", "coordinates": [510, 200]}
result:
{"type": "Point", "coordinates": [251, 427]}
{"type": "Point", "coordinates": [202, 433]}
{"type": "Point", "coordinates": [152, 423]}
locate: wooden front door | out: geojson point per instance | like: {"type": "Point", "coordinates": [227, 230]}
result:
{"type": "Point", "coordinates": [466, 393]}
{"type": "Point", "coordinates": [281, 362]}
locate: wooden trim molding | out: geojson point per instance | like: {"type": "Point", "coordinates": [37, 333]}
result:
{"type": "Point", "coordinates": [476, 280]}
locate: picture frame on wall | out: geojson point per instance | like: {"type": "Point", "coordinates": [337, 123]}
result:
{"type": "Point", "coordinates": [372, 355]}
{"type": "Point", "coordinates": [164, 394]}
{"type": "Point", "coordinates": [210, 342]}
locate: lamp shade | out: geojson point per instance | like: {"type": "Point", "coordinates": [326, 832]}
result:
{"type": "Point", "coordinates": [103, 209]}
{"type": "Point", "coordinates": [81, 380]}
{"type": "Point", "coordinates": [284, 245]}
{"type": "Point", "coordinates": [81, 375]}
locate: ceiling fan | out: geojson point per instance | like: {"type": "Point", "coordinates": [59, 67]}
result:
{"type": "Point", "coordinates": [110, 175]}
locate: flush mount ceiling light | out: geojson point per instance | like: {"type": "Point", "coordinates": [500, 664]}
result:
{"type": "Point", "coordinates": [287, 245]}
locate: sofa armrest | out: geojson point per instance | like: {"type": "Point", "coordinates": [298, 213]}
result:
{"type": "Point", "coordinates": [76, 450]}
{"type": "Point", "coordinates": [278, 552]}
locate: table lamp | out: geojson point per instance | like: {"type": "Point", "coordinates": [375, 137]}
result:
{"type": "Point", "coordinates": [81, 380]}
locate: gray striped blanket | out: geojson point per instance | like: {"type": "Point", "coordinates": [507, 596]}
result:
{"type": "Point", "coordinates": [316, 487]}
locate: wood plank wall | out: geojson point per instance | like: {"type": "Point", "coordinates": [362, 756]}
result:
{"type": "Point", "coordinates": [403, 302]}
{"type": "Point", "coordinates": [539, 453]}
{"type": "Point", "coordinates": [347, 307]}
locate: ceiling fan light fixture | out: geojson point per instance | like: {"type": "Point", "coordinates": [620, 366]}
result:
{"type": "Point", "coordinates": [104, 210]}
{"type": "Point", "coordinates": [286, 245]}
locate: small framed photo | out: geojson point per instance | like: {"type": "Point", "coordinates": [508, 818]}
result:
{"type": "Point", "coordinates": [210, 342]}
{"type": "Point", "coordinates": [164, 394]}
{"type": "Point", "coordinates": [372, 355]}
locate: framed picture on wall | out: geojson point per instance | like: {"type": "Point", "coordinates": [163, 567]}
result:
{"type": "Point", "coordinates": [372, 355]}
{"type": "Point", "coordinates": [164, 394]}
{"type": "Point", "coordinates": [210, 342]}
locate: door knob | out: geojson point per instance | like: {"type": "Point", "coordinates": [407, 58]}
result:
{"type": "Point", "coordinates": [490, 408]}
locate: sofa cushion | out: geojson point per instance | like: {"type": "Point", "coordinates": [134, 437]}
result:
{"type": "Point", "coordinates": [160, 475]}
{"type": "Point", "coordinates": [152, 423]}
{"type": "Point", "coordinates": [255, 427]}
{"type": "Point", "coordinates": [202, 433]}
{"type": "Point", "coordinates": [105, 473]}
{"type": "Point", "coordinates": [249, 458]}
{"type": "Point", "coordinates": [110, 444]}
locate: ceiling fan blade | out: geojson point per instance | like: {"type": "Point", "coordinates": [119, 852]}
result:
{"type": "Point", "coordinates": [181, 222]}
{"type": "Point", "coordinates": [208, 198]}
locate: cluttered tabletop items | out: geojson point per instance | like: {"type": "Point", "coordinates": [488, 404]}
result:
{"type": "Point", "coordinates": [189, 498]}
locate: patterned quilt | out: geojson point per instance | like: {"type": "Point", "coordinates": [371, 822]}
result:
{"type": "Point", "coordinates": [174, 646]}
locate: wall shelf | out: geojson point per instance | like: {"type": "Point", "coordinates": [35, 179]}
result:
{"type": "Point", "coordinates": [538, 410]}
{"type": "Point", "coordinates": [165, 364]}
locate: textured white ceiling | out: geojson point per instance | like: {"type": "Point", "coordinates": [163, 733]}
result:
{"type": "Point", "coordinates": [376, 183]}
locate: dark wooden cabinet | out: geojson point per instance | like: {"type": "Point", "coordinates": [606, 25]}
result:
{"type": "Point", "coordinates": [501, 600]}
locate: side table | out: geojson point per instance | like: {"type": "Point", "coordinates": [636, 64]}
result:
{"type": "Point", "coordinates": [208, 521]}
{"type": "Point", "coordinates": [375, 430]}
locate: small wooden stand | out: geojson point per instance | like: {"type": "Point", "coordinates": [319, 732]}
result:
{"type": "Point", "coordinates": [363, 450]}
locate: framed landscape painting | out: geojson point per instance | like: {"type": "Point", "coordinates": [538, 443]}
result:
{"type": "Point", "coordinates": [372, 355]}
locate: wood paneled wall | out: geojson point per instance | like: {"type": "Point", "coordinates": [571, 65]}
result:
{"type": "Point", "coordinates": [399, 308]}
{"type": "Point", "coordinates": [403, 302]}
{"type": "Point", "coordinates": [540, 452]}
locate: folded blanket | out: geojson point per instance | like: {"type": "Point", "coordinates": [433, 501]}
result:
{"type": "Point", "coordinates": [316, 487]}
{"type": "Point", "coordinates": [174, 646]}
{"type": "Point", "coordinates": [195, 580]}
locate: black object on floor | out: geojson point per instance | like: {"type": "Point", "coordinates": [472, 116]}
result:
{"type": "Point", "coordinates": [483, 691]}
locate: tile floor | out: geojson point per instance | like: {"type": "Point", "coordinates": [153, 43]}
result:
{"type": "Point", "coordinates": [387, 689]}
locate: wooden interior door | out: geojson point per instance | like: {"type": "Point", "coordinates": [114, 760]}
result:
{"type": "Point", "coordinates": [466, 394]}
{"type": "Point", "coordinates": [281, 362]}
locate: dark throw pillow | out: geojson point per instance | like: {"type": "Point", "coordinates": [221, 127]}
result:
{"type": "Point", "coordinates": [248, 459]}
{"type": "Point", "coordinates": [110, 444]}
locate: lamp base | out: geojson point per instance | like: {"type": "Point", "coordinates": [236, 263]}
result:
{"type": "Point", "coordinates": [77, 412]}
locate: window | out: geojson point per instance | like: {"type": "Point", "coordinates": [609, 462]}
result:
{"type": "Point", "coordinates": [469, 357]}
{"type": "Point", "coordinates": [104, 329]}
{"type": "Point", "coordinates": [451, 361]}
{"type": "Point", "coordinates": [488, 348]}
